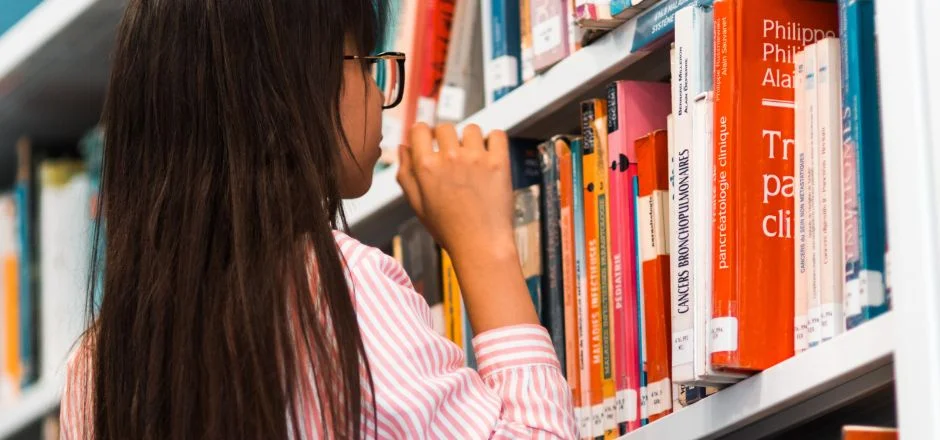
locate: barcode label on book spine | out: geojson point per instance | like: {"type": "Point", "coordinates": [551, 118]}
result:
{"type": "Point", "coordinates": [660, 399]}
{"type": "Point", "coordinates": [644, 403]}
{"type": "Point", "coordinates": [546, 36]}
{"type": "Point", "coordinates": [631, 401]}
{"type": "Point", "coordinates": [853, 300]}
{"type": "Point", "coordinates": [682, 350]}
{"type": "Point", "coordinates": [872, 288]}
{"type": "Point", "coordinates": [597, 420]}
{"type": "Point", "coordinates": [453, 102]}
{"type": "Point", "coordinates": [723, 334]}
{"type": "Point", "coordinates": [830, 320]}
{"type": "Point", "coordinates": [426, 110]}
{"type": "Point", "coordinates": [503, 72]}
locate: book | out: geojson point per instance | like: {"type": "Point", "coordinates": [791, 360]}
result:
{"type": "Point", "coordinates": [653, 158]}
{"type": "Point", "coordinates": [586, 424]}
{"type": "Point", "coordinates": [524, 162]}
{"type": "Point", "coordinates": [461, 93]}
{"type": "Point", "coordinates": [420, 257]}
{"type": "Point", "coordinates": [26, 208]}
{"type": "Point", "coordinates": [10, 370]}
{"type": "Point", "coordinates": [752, 321]}
{"type": "Point", "coordinates": [525, 34]}
{"type": "Point", "coordinates": [549, 19]}
{"type": "Point", "coordinates": [566, 187]}
{"type": "Point", "coordinates": [853, 432]}
{"type": "Point", "coordinates": [626, 9]}
{"type": "Point", "coordinates": [434, 41]}
{"type": "Point", "coordinates": [396, 121]}
{"type": "Point", "coordinates": [595, 14]}
{"type": "Point", "coordinates": [691, 212]}
{"type": "Point", "coordinates": [526, 224]}
{"type": "Point", "coordinates": [553, 295]}
{"type": "Point", "coordinates": [864, 230]}
{"type": "Point", "coordinates": [811, 126]}
{"type": "Point", "coordinates": [829, 186]}
{"type": "Point", "coordinates": [502, 64]}
{"type": "Point", "coordinates": [802, 264]}
{"type": "Point", "coordinates": [64, 246]}
{"type": "Point", "coordinates": [453, 304]}
{"type": "Point", "coordinates": [595, 232]}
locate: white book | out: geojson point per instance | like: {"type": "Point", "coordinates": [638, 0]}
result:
{"type": "Point", "coordinates": [801, 241]}
{"type": "Point", "coordinates": [462, 90]}
{"type": "Point", "coordinates": [692, 210]}
{"type": "Point", "coordinates": [64, 233]}
{"type": "Point", "coordinates": [486, 23]}
{"type": "Point", "coordinates": [812, 145]}
{"type": "Point", "coordinates": [683, 370]}
{"type": "Point", "coordinates": [829, 189]}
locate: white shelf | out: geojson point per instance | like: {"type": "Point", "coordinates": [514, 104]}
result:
{"type": "Point", "coordinates": [794, 391]}
{"type": "Point", "coordinates": [384, 191]}
{"type": "Point", "coordinates": [33, 404]}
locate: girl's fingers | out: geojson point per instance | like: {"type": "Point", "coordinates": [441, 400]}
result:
{"type": "Point", "coordinates": [421, 142]}
{"type": "Point", "coordinates": [473, 137]}
{"type": "Point", "coordinates": [406, 178]}
{"type": "Point", "coordinates": [498, 145]}
{"type": "Point", "coordinates": [446, 137]}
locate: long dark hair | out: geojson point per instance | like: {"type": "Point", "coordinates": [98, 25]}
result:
{"type": "Point", "coordinates": [226, 312]}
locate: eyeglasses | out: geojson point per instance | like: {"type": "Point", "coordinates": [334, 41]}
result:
{"type": "Point", "coordinates": [388, 71]}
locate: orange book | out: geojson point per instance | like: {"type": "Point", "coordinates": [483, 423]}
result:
{"type": "Point", "coordinates": [597, 234]}
{"type": "Point", "coordinates": [453, 310]}
{"type": "Point", "coordinates": [569, 273]}
{"type": "Point", "coordinates": [868, 433]}
{"type": "Point", "coordinates": [10, 367]}
{"type": "Point", "coordinates": [755, 41]}
{"type": "Point", "coordinates": [653, 167]}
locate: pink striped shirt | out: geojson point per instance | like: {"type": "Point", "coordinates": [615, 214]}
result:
{"type": "Point", "coordinates": [422, 389]}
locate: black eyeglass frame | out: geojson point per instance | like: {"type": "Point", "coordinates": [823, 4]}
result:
{"type": "Point", "coordinates": [399, 58]}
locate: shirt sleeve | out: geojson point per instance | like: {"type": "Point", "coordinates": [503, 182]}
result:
{"type": "Point", "coordinates": [422, 388]}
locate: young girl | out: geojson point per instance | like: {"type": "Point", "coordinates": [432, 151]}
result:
{"type": "Point", "coordinates": [232, 307]}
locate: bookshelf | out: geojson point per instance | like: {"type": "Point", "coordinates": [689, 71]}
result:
{"type": "Point", "coordinates": [53, 74]}
{"type": "Point", "coordinates": [796, 390]}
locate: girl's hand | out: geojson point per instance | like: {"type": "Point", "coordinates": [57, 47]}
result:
{"type": "Point", "coordinates": [463, 195]}
{"type": "Point", "coordinates": [462, 192]}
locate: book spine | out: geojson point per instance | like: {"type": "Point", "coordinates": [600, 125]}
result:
{"type": "Point", "coordinates": [604, 272]}
{"type": "Point", "coordinates": [462, 91]}
{"type": "Point", "coordinates": [525, 31]}
{"type": "Point", "coordinates": [800, 212]}
{"type": "Point", "coordinates": [553, 304]}
{"type": "Point", "coordinates": [863, 185]}
{"type": "Point", "coordinates": [10, 370]}
{"type": "Point", "coordinates": [653, 157]}
{"type": "Point", "coordinates": [549, 33]}
{"type": "Point", "coordinates": [24, 199]}
{"type": "Point", "coordinates": [598, 413]}
{"type": "Point", "coordinates": [569, 273]}
{"type": "Point", "coordinates": [583, 296]}
{"type": "Point", "coordinates": [440, 15]}
{"type": "Point", "coordinates": [624, 322]}
{"type": "Point", "coordinates": [453, 317]}
{"type": "Point", "coordinates": [828, 86]}
{"type": "Point", "coordinates": [633, 176]}
{"type": "Point", "coordinates": [528, 240]}
{"type": "Point", "coordinates": [812, 200]}
{"type": "Point", "coordinates": [503, 67]}
{"type": "Point", "coordinates": [723, 328]}
{"type": "Point", "coordinates": [680, 211]}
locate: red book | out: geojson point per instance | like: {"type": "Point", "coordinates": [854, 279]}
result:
{"type": "Point", "coordinates": [653, 156]}
{"type": "Point", "coordinates": [752, 320]}
{"type": "Point", "coordinates": [438, 16]}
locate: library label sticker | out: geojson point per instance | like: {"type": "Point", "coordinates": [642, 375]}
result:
{"type": "Point", "coordinates": [723, 334]}
{"type": "Point", "coordinates": [452, 103]}
{"type": "Point", "coordinates": [682, 352]}
{"type": "Point", "coordinates": [503, 73]}
{"type": "Point", "coordinates": [546, 36]}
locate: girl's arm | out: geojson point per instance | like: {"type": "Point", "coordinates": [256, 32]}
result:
{"type": "Point", "coordinates": [423, 390]}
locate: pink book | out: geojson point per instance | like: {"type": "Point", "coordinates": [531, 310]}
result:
{"type": "Point", "coordinates": [634, 109]}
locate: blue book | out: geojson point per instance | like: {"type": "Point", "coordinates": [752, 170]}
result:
{"type": "Point", "coordinates": [641, 327]}
{"type": "Point", "coordinates": [502, 48]}
{"type": "Point", "coordinates": [864, 207]}
{"type": "Point", "coordinates": [23, 195]}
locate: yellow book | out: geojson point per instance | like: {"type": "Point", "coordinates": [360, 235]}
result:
{"type": "Point", "coordinates": [453, 304]}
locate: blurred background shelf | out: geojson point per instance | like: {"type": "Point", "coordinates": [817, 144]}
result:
{"type": "Point", "coordinates": [32, 405]}
{"type": "Point", "coordinates": [53, 72]}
